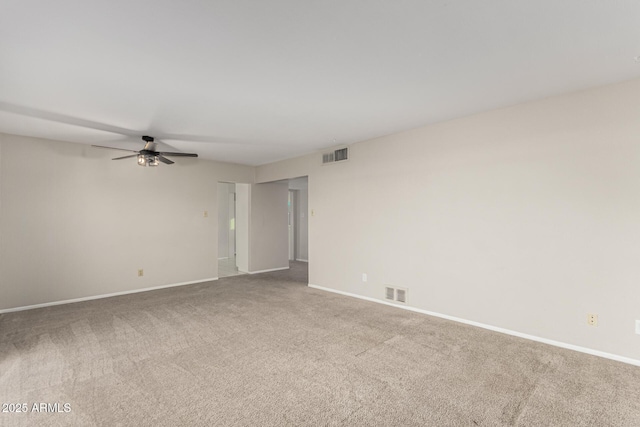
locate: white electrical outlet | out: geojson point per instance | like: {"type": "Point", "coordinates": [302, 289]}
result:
{"type": "Point", "coordinates": [206, 214]}
{"type": "Point", "coordinates": [638, 327]}
{"type": "Point", "coordinates": [140, 273]}
{"type": "Point", "coordinates": [364, 277]}
{"type": "Point", "coordinates": [592, 319]}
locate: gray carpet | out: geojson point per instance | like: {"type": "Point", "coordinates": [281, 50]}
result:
{"type": "Point", "coordinates": [267, 350]}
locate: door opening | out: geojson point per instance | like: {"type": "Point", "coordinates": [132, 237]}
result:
{"type": "Point", "coordinates": [292, 224]}
{"type": "Point", "coordinates": [298, 219]}
{"type": "Point", "coordinates": [228, 245]}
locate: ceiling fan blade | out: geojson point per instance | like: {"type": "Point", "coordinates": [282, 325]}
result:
{"type": "Point", "coordinates": [165, 160]}
{"type": "Point", "coordinates": [112, 148]}
{"type": "Point", "coordinates": [125, 157]}
{"type": "Point", "coordinates": [207, 139]}
{"type": "Point", "coordinates": [61, 118]}
{"type": "Point", "coordinates": [179, 154]}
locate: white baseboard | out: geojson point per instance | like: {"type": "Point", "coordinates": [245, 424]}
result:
{"type": "Point", "coordinates": [268, 270]}
{"type": "Point", "coordinates": [115, 294]}
{"type": "Point", "coordinates": [302, 260]}
{"type": "Point", "coordinates": [491, 328]}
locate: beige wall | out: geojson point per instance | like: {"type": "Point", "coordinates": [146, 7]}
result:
{"type": "Point", "coordinates": [243, 208]}
{"type": "Point", "coordinates": [225, 235]}
{"type": "Point", "coordinates": [269, 245]}
{"type": "Point", "coordinates": [524, 218]}
{"type": "Point", "coordinates": [300, 186]}
{"type": "Point", "coordinates": [75, 224]}
{"type": "Point", "coordinates": [302, 225]}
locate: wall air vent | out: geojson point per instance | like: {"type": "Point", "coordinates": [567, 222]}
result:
{"type": "Point", "coordinates": [395, 294]}
{"type": "Point", "coordinates": [339, 155]}
{"type": "Point", "coordinates": [389, 293]}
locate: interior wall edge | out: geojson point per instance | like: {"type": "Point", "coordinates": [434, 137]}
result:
{"type": "Point", "coordinates": [554, 343]}
{"type": "Point", "coordinates": [268, 270]}
{"type": "Point", "coordinates": [94, 297]}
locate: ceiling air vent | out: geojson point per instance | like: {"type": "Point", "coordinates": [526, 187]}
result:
{"type": "Point", "coordinates": [339, 155]}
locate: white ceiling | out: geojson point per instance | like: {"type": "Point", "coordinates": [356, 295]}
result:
{"type": "Point", "coordinates": [257, 81]}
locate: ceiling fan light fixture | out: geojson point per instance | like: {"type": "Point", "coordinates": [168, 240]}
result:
{"type": "Point", "coordinates": [148, 156]}
{"type": "Point", "coordinates": [148, 160]}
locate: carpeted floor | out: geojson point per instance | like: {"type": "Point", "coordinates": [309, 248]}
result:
{"type": "Point", "coordinates": [267, 350]}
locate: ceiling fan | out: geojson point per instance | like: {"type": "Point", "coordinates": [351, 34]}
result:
{"type": "Point", "coordinates": [148, 156]}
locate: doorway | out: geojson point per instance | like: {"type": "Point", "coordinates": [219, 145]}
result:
{"type": "Point", "coordinates": [230, 250]}
{"type": "Point", "coordinates": [298, 219]}
{"type": "Point", "coordinates": [291, 206]}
